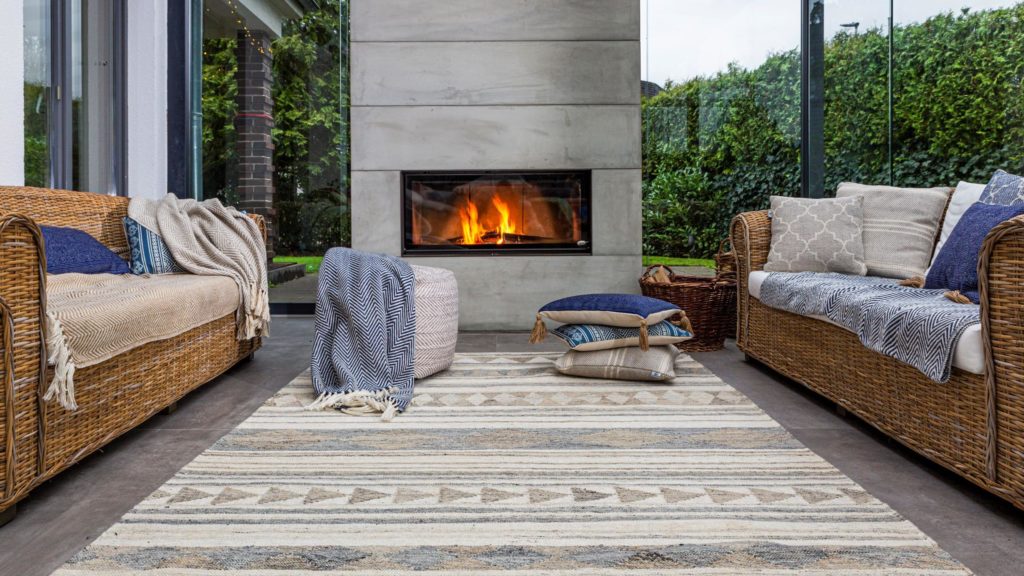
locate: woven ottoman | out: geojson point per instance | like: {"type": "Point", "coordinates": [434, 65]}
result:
{"type": "Point", "coordinates": [437, 320]}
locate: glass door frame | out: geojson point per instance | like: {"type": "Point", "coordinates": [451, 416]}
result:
{"type": "Point", "coordinates": [61, 123]}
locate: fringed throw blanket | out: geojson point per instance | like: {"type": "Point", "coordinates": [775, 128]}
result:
{"type": "Point", "coordinates": [365, 330]}
{"type": "Point", "coordinates": [90, 318]}
{"type": "Point", "coordinates": [915, 326]}
{"type": "Point", "coordinates": [210, 239]}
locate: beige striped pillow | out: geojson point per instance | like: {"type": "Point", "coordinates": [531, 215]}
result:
{"type": "Point", "coordinates": [654, 365]}
{"type": "Point", "coordinates": [900, 227]}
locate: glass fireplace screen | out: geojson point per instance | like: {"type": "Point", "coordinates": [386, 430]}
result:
{"type": "Point", "coordinates": [496, 212]}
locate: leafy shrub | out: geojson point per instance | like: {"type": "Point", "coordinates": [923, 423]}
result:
{"type": "Point", "coordinates": [720, 145]}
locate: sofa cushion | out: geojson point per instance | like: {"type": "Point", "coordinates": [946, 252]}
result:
{"type": "Point", "coordinates": [817, 235]}
{"type": "Point", "coordinates": [1004, 189]}
{"type": "Point", "coordinates": [969, 355]}
{"type": "Point", "coordinates": [69, 250]}
{"type": "Point", "coordinates": [94, 317]}
{"type": "Point", "coordinates": [900, 227]}
{"type": "Point", "coordinates": [965, 196]}
{"type": "Point", "coordinates": [654, 365]}
{"type": "Point", "coordinates": [956, 267]}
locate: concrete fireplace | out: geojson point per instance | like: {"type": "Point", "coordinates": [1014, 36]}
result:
{"type": "Point", "coordinates": [509, 114]}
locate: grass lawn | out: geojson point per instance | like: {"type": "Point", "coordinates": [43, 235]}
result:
{"type": "Point", "coordinates": [649, 260]}
{"type": "Point", "coordinates": [312, 262]}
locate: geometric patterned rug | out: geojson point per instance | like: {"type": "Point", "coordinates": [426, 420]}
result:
{"type": "Point", "coordinates": [502, 465]}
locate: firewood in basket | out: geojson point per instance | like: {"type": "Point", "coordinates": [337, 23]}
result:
{"type": "Point", "coordinates": [661, 275]}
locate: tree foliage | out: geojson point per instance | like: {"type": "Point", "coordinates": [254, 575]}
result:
{"type": "Point", "coordinates": [716, 146]}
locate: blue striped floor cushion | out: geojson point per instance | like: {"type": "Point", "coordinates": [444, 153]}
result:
{"type": "Point", "coordinates": [587, 337]}
{"type": "Point", "coordinates": [149, 254]}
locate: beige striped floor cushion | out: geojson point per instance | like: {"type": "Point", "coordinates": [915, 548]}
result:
{"type": "Point", "coordinates": [900, 227]}
{"type": "Point", "coordinates": [654, 365]}
{"type": "Point", "coordinates": [437, 320]}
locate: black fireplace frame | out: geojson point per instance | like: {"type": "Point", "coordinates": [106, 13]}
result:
{"type": "Point", "coordinates": [586, 249]}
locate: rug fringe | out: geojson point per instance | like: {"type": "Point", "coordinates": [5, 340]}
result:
{"type": "Point", "coordinates": [62, 387]}
{"type": "Point", "coordinates": [358, 403]}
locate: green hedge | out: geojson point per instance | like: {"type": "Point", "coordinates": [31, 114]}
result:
{"type": "Point", "coordinates": [716, 146]}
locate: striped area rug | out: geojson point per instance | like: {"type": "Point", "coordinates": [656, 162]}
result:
{"type": "Point", "coordinates": [503, 465]}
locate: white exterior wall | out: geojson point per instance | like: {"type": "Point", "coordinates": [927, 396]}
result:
{"type": "Point", "coordinates": [12, 96]}
{"type": "Point", "coordinates": [147, 98]}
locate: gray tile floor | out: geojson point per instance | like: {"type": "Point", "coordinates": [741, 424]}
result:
{"type": "Point", "coordinates": [70, 511]}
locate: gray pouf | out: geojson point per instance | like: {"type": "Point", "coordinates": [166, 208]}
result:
{"type": "Point", "coordinates": [437, 320]}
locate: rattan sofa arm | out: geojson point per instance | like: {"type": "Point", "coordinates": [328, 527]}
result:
{"type": "Point", "coordinates": [1001, 289]}
{"type": "Point", "coordinates": [22, 343]}
{"type": "Point", "coordinates": [261, 223]}
{"type": "Point", "coordinates": [751, 238]}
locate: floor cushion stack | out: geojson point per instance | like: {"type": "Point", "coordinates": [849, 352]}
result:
{"type": "Point", "coordinates": [616, 336]}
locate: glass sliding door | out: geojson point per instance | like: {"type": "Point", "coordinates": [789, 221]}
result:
{"type": "Point", "coordinates": [931, 97]}
{"type": "Point", "coordinates": [74, 90]}
{"type": "Point", "coordinates": [721, 116]}
{"type": "Point", "coordinates": [274, 125]}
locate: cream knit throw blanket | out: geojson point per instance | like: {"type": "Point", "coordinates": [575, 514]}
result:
{"type": "Point", "coordinates": [210, 239]}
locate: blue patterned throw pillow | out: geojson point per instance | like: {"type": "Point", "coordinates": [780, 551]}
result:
{"type": "Point", "coordinates": [69, 250]}
{"type": "Point", "coordinates": [149, 253]}
{"type": "Point", "coordinates": [587, 337]}
{"type": "Point", "coordinates": [956, 266]}
{"type": "Point", "coordinates": [1004, 189]}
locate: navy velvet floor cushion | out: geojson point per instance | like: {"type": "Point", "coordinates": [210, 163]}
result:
{"type": "Point", "coordinates": [956, 266]}
{"type": "Point", "coordinates": [69, 250]}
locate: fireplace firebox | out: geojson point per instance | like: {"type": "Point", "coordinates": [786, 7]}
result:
{"type": "Point", "coordinates": [496, 213]}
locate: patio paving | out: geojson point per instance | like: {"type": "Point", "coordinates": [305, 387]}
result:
{"type": "Point", "coordinates": [76, 507]}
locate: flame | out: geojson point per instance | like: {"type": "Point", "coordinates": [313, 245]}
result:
{"type": "Point", "coordinates": [472, 232]}
{"type": "Point", "coordinates": [506, 226]}
{"type": "Point", "coordinates": [477, 230]}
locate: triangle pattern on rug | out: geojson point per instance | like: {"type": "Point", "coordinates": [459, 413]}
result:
{"type": "Point", "coordinates": [230, 494]}
{"type": "Point", "coordinates": [360, 495]}
{"type": "Point", "coordinates": [628, 495]}
{"type": "Point", "coordinates": [537, 495]}
{"type": "Point", "coordinates": [316, 495]}
{"type": "Point", "coordinates": [187, 494]}
{"type": "Point", "coordinates": [451, 495]}
{"type": "Point", "coordinates": [586, 495]}
{"type": "Point", "coordinates": [404, 495]}
{"type": "Point", "coordinates": [278, 495]}
{"type": "Point", "coordinates": [674, 496]}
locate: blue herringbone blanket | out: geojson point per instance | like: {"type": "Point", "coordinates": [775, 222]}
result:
{"type": "Point", "coordinates": [364, 336]}
{"type": "Point", "coordinates": [915, 326]}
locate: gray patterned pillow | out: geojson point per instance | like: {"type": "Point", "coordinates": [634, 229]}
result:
{"type": "Point", "coordinates": [654, 365]}
{"type": "Point", "coordinates": [811, 235]}
{"type": "Point", "coordinates": [900, 227]}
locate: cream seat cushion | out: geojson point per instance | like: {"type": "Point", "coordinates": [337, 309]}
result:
{"type": "Point", "coordinates": [969, 355]}
{"type": "Point", "coordinates": [436, 297]}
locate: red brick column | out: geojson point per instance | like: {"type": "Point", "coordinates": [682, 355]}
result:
{"type": "Point", "coordinates": [253, 125]}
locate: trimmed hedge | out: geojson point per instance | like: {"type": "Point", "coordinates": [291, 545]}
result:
{"type": "Point", "coordinates": [716, 146]}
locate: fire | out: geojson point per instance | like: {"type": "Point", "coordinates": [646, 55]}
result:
{"type": "Point", "coordinates": [476, 230]}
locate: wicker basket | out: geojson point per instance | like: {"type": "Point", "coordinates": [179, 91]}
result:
{"type": "Point", "coordinates": [709, 303]}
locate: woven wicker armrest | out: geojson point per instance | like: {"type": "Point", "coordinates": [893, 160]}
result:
{"type": "Point", "coordinates": [1001, 285]}
{"type": "Point", "coordinates": [22, 309]}
{"type": "Point", "coordinates": [261, 222]}
{"type": "Point", "coordinates": [751, 236]}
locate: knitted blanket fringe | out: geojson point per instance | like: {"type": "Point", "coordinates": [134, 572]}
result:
{"type": "Point", "coordinates": [62, 387]}
{"type": "Point", "coordinates": [359, 403]}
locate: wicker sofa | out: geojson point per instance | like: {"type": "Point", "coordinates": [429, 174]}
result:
{"type": "Point", "coordinates": [973, 425]}
{"type": "Point", "coordinates": [41, 439]}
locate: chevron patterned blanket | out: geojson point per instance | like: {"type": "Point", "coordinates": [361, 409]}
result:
{"type": "Point", "coordinates": [915, 326]}
{"type": "Point", "coordinates": [365, 328]}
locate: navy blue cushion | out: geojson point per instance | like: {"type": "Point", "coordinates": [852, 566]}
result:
{"type": "Point", "coordinates": [956, 266]}
{"type": "Point", "coordinates": [69, 250]}
{"type": "Point", "coordinates": [149, 252]}
{"type": "Point", "coordinates": [1004, 189]}
{"type": "Point", "coordinates": [627, 310]}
